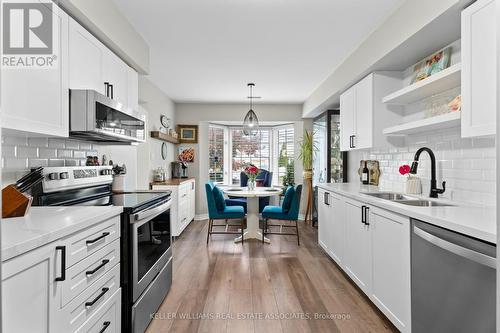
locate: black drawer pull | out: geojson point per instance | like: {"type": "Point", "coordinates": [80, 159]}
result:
{"type": "Point", "coordinates": [103, 292]}
{"type": "Point", "coordinates": [104, 262]}
{"type": "Point", "coordinates": [105, 325]}
{"type": "Point", "coordinates": [92, 241]}
{"type": "Point", "coordinates": [63, 263]}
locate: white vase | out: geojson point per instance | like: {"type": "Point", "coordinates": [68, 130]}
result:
{"type": "Point", "coordinates": [251, 185]}
{"type": "Point", "coordinates": [413, 185]}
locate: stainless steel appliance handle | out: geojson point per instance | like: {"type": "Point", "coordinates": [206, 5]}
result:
{"type": "Point", "coordinates": [151, 212]}
{"type": "Point", "coordinates": [464, 252]}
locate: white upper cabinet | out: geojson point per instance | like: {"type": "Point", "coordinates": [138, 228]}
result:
{"type": "Point", "coordinates": [93, 66]}
{"type": "Point", "coordinates": [362, 113]}
{"type": "Point", "coordinates": [85, 59]}
{"type": "Point", "coordinates": [36, 101]}
{"type": "Point", "coordinates": [479, 69]}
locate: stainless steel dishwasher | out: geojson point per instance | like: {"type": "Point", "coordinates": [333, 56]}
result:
{"type": "Point", "coordinates": [453, 283]}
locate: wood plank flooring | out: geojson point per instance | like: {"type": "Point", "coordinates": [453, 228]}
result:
{"type": "Point", "coordinates": [277, 287]}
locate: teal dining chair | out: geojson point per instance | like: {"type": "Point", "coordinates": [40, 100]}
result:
{"type": "Point", "coordinates": [217, 210]}
{"type": "Point", "coordinates": [288, 211]}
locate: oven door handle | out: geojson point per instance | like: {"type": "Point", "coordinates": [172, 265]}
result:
{"type": "Point", "coordinates": [461, 251]}
{"type": "Point", "coordinates": [151, 212]}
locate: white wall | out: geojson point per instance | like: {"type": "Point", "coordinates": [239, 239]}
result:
{"type": "Point", "coordinates": [155, 102]}
{"type": "Point", "coordinates": [202, 114]}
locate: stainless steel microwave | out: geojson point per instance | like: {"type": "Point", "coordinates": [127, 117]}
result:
{"type": "Point", "coordinates": [98, 118]}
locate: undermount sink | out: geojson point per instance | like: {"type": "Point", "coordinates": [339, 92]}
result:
{"type": "Point", "coordinates": [389, 196]}
{"type": "Point", "coordinates": [406, 200]}
{"type": "Point", "coordinates": [422, 203]}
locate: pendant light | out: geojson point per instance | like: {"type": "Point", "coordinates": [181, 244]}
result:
{"type": "Point", "coordinates": [251, 122]}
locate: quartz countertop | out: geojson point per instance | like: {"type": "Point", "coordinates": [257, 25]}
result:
{"type": "Point", "coordinates": [471, 220]}
{"type": "Point", "coordinates": [173, 181]}
{"type": "Point", "coordinates": [43, 225]}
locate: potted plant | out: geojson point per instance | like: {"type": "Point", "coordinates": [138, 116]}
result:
{"type": "Point", "coordinates": [307, 153]}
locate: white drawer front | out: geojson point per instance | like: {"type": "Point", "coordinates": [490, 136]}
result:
{"type": "Point", "coordinates": [183, 191]}
{"type": "Point", "coordinates": [107, 319]}
{"type": "Point", "coordinates": [89, 270]}
{"type": "Point", "coordinates": [80, 309]}
{"type": "Point", "coordinates": [90, 240]}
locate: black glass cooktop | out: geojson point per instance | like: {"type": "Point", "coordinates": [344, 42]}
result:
{"type": "Point", "coordinates": [135, 201]}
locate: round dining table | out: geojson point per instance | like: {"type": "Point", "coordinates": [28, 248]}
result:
{"type": "Point", "coordinates": [252, 231]}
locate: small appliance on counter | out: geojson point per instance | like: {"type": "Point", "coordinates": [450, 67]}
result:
{"type": "Point", "coordinates": [179, 170]}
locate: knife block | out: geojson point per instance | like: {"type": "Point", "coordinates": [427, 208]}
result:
{"type": "Point", "coordinates": [14, 203]}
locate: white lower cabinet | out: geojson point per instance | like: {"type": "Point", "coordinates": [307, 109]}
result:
{"type": "Point", "coordinates": [372, 246]}
{"type": "Point", "coordinates": [331, 232]}
{"type": "Point", "coordinates": [183, 200]}
{"type": "Point", "coordinates": [390, 252]}
{"type": "Point", "coordinates": [60, 291]}
{"type": "Point", "coordinates": [357, 259]}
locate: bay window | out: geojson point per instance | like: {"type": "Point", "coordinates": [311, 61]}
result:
{"type": "Point", "coordinates": [230, 151]}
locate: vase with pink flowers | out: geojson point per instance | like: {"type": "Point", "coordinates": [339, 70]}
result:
{"type": "Point", "coordinates": [252, 172]}
{"type": "Point", "coordinates": [413, 184]}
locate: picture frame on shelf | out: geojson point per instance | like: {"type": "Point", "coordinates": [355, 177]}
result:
{"type": "Point", "coordinates": [188, 133]}
{"type": "Point", "coordinates": [431, 65]}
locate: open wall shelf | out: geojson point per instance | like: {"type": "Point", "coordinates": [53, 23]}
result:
{"type": "Point", "coordinates": [164, 137]}
{"type": "Point", "coordinates": [446, 79]}
{"type": "Point", "coordinates": [447, 120]}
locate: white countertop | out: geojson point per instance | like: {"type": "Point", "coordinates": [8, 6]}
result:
{"type": "Point", "coordinates": [256, 193]}
{"type": "Point", "coordinates": [474, 221]}
{"type": "Point", "coordinates": [43, 225]}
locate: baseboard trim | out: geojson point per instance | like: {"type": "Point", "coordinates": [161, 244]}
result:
{"type": "Point", "coordinates": [201, 217]}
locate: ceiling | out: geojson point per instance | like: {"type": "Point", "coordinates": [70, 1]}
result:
{"type": "Point", "coordinates": [207, 51]}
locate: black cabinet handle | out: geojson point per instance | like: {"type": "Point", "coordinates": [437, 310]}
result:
{"type": "Point", "coordinates": [105, 325]}
{"type": "Point", "coordinates": [63, 263]}
{"type": "Point", "coordinates": [112, 91]}
{"type": "Point", "coordinates": [92, 241]}
{"type": "Point", "coordinates": [350, 141]}
{"type": "Point", "coordinates": [366, 215]}
{"type": "Point", "coordinates": [106, 86]}
{"type": "Point", "coordinates": [326, 198]}
{"type": "Point", "coordinates": [104, 262]}
{"type": "Point", "coordinates": [353, 145]}
{"type": "Point", "coordinates": [103, 292]}
{"type": "Point", "coordinates": [363, 214]}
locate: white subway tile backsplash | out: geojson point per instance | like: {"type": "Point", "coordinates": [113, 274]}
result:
{"type": "Point", "coordinates": [467, 165]}
{"type": "Point", "coordinates": [64, 153]}
{"type": "Point", "coordinates": [15, 141]}
{"type": "Point", "coordinates": [57, 143]}
{"type": "Point", "coordinates": [47, 152]}
{"type": "Point", "coordinates": [15, 163]}
{"type": "Point", "coordinates": [72, 144]}
{"type": "Point", "coordinates": [31, 152]}
{"type": "Point", "coordinates": [37, 162]}
{"type": "Point", "coordinates": [20, 153]}
{"type": "Point", "coordinates": [56, 163]}
{"type": "Point", "coordinates": [38, 142]}
{"type": "Point", "coordinates": [8, 151]}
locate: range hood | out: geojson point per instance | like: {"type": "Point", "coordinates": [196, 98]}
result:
{"type": "Point", "coordinates": [98, 118]}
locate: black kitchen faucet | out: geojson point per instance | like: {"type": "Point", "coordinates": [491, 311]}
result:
{"type": "Point", "coordinates": [414, 166]}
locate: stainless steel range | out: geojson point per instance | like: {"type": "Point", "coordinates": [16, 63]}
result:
{"type": "Point", "coordinates": [146, 254]}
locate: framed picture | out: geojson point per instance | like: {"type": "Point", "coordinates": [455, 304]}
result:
{"type": "Point", "coordinates": [431, 65]}
{"type": "Point", "coordinates": [186, 154]}
{"type": "Point", "coordinates": [188, 133]}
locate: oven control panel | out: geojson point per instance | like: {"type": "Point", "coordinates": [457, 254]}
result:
{"type": "Point", "coordinates": [63, 178]}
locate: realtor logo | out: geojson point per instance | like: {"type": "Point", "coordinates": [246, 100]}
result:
{"type": "Point", "coordinates": [28, 34]}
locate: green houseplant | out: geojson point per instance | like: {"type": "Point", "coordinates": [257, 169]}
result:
{"type": "Point", "coordinates": [307, 153]}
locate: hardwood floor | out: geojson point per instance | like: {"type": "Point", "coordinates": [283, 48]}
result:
{"type": "Point", "coordinates": [277, 287]}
